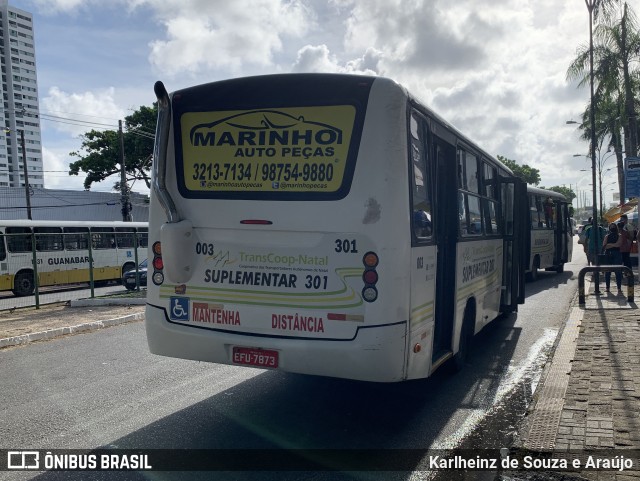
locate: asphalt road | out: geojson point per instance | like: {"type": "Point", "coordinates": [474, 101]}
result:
{"type": "Point", "coordinates": [105, 389]}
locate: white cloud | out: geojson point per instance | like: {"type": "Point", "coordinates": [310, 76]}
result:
{"type": "Point", "coordinates": [203, 35]}
{"type": "Point", "coordinates": [319, 59]}
{"type": "Point", "coordinates": [56, 167]}
{"type": "Point", "coordinates": [77, 113]}
{"type": "Point", "coordinates": [73, 114]}
{"type": "Point", "coordinates": [496, 70]}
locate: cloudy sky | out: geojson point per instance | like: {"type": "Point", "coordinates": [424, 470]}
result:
{"type": "Point", "coordinates": [495, 69]}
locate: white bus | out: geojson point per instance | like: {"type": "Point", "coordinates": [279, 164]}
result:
{"type": "Point", "coordinates": [328, 225]}
{"type": "Point", "coordinates": [551, 241]}
{"type": "Point", "coordinates": [61, 252]}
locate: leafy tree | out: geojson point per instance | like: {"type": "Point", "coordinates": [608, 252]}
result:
{"type": "Point", "coordinates": [604, 8]}
{"type": "Point", "coordinates": [99, 157]}
{"type": "Point", "coordinates": [525, 172]}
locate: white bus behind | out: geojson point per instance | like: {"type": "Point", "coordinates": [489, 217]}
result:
{"type": "Point", "coordinates": [551, 244]}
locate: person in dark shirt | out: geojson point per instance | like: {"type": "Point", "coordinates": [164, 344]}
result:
{"type": "Point", "coordinates": [611, 247]}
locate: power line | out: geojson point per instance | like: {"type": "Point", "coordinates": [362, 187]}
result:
{"type": "Point", "coordinates": [79, 121]}
{"type": "Point", "coordinates": [141, 132]}
{"type": "Point", "coordinates": [80, 115]}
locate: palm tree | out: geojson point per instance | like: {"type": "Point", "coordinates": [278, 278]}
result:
{"type": "Point", "coordinates": [616, 45]}
{"type": "Point", "coordinates": [609, 129]}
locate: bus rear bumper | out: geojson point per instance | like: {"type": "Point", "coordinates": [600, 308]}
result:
{"type": "Point", "coordinates": [375, 354]}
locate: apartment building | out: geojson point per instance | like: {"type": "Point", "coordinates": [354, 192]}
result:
{"type": "Point", "coordinates": [19, 89]}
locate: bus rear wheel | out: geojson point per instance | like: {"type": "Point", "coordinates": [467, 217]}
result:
{"type": "Point", "coordinates": [466, 338]}
{"type": "Point", "coordinates": [23, 284]}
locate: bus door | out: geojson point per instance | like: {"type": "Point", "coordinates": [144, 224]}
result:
{"type": "Point", "coordinates": [516, 240]}
{"type": "Point", "coordinates": [562, 234]}
{"type": "Point", "coordinates": [446, 231]}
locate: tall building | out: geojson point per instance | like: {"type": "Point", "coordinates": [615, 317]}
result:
{"type": "Point", "coordinates": [20, 111]}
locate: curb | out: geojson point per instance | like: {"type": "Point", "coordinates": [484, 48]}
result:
{"type": "Point", "coordinates": [550, 397]}
{"type": "Point", "coordinates": [62, 331]}
{"type": "Point", "coordinates": [135, 301]}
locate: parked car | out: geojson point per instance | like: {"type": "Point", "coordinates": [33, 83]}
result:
{"type": "Point", "coordinates": [129, 277]}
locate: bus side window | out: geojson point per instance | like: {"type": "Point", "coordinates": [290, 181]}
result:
{"type": "Point", "coordinates": [489, 200]}
{"type": "Point", "coordinates": [3, 250]}
{"type": "Point", "coordinates": [421, 193]}
{"type": "Point", "coordinates": [549, 211]}
{"type": "Point", "coordinates": [17, 242]}
{"type": "Point", "coordinates": [491, 223]}
{"type": "Point", "coordinates": [471, 223]}
{"type": "Point", "coordinates": [534, 208]}
{"type": "Point", "coordinates": [469, 210]}
{"type": "Point", "coordinates": [125, 237]}
{"type": "Point", "coordinates": [143, 237]}
{"type": "Point", "coordinates": [48, 239]}
{"type": "Point", "coordinates": [102, 238]}
{"type": "Point", "coordinates": [76, 238]}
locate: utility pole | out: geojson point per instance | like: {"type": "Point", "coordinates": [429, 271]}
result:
{"type": "Point", "coordinates": [26, 174]}
{"type": "Point", "coordinates": [124, 189]}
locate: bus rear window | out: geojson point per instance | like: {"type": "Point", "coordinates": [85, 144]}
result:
{"type": "Point", "coordinates": [279, 145]}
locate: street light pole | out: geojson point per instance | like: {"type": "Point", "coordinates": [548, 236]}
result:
{"type": "Point", "coordinates": [124, 188]}
{"type": "Point", "coordinates": [592, 119]}
{"type": "Point", "coordinates": [26, 174]}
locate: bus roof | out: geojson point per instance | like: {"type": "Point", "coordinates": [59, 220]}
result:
{"type": "Point", "coordinates": [336, 79]}
{"type": "Point", "coordinates": [547, 193]}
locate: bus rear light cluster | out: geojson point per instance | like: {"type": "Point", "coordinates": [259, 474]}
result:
{"type": "Point", "coordinates": [158, 265]}
{"type": "Point", "coordinates": [370, 276]}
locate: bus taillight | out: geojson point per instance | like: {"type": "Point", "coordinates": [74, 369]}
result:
{"type": "Point", "coordinates": [158, 264]}
{"type": "Point", "coordinates": [370, 276]}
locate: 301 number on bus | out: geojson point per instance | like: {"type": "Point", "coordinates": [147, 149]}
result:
{"type": "Point", "coordinates": [346, 246]}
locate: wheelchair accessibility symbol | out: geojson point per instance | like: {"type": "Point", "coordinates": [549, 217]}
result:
{"type": "Point", "coordinates": [179, 309]}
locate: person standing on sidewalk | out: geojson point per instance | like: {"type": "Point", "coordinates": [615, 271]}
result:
{"type": "Point", "coordinates": [593, 242]}
{"type": "Point", "coordinates": [628, 236]}
{"type": "Point", "coordinates": [583, 239]}
{"type": "Point", "coordinates": [611, 247]}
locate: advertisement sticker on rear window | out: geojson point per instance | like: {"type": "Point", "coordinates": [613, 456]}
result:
{"type": "Point", "coordinates": [267, 150]}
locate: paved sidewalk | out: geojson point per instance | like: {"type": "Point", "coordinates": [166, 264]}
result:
{"type": "Point", "coordinates": [22, 326]}
{"type": "Point", "coordinates": [589, 398]}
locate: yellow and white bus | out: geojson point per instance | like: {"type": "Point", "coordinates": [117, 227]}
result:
{"type": "Point", "coordinates": [328, 225]}
{"type": "Point", "coordinates": [62, 253]}
{"type": "Point", "coordinates": [551, 232]}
